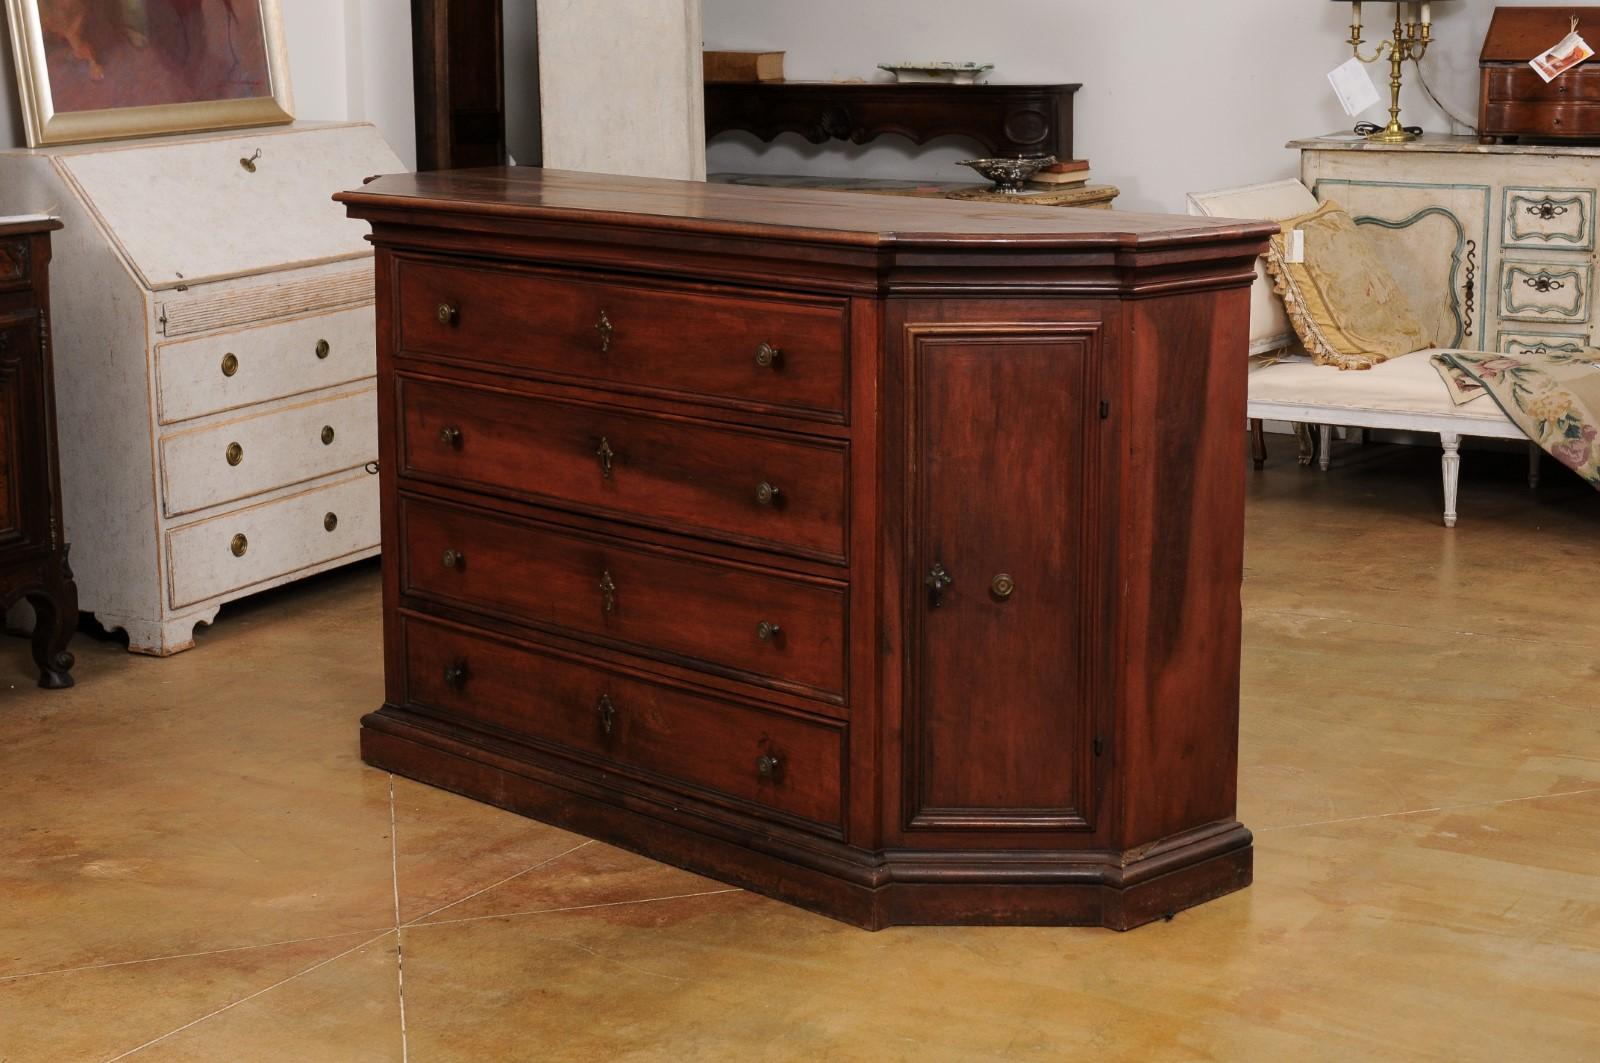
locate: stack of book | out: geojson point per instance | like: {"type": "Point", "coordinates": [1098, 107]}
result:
{"type": "Point", "coordinates": [1071, 173]}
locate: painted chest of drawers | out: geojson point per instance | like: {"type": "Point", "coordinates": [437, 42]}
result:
{"type": "Point", "coordinates": [880, 555]}
{"type": "Point", "coordinates": [214, 344]}
{"type": "Point", "coordinates": [1493, 244]}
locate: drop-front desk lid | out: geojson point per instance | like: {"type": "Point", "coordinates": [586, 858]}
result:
{"type": "Point", "coordinates": [185, 210]}
{"type": "Point", "coordinates": [515, 195]}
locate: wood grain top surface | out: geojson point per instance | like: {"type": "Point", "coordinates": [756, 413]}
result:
{"type": "Point", "coordinates": [812, 215]}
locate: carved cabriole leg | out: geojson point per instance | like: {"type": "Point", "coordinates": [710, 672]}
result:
{"type": "Point", "coordinates": [55, 612]}
{"type": "Point", "coordinates": [158, 638]}
{"type": "Point", "coordinates": [1258, 443]}
{"type": "Point", "coordinates": [1325, 447]}
{"type": "Point", "coordinates": [1451, 465]}
{"type": "Point", "coordinates": [1308, 446]}
{"type": "Point", "coordinates": [1535, 459]}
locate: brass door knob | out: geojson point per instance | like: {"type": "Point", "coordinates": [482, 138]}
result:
{"type": "Point", "coordinates": [234, 453]}
{"type": "Point", "coordinates": [455, 675]}
{"type": "Point", "coordinates": [230, 364]}
{"type": "Point", "coordinates": [1003, 586]}
{"type": "Point", "coordinates": [768, 766]}
{"type": "Point", "coordinates": [239, 545]}
{"type": "Point", "coordinates": [768, 356]}
{"type": "Point", "coordinates": [450, 437]}
{"type": "Point", "coordinates": [767, 495]}
{"type": "Point", "coordinates": [455, 559]}
{"type": "Point", "coordinates": [608, 714]}
{"type": "Point", "coordinates": [449, 314]}
{"type": "Point", "coordinates": [327, 434]}
{"type": "Point", "coordinates": [766, 631]}
{"type": "Point", "coordinates": [323, 349]}
{"type": "Point", "coordinates": [330, 521]}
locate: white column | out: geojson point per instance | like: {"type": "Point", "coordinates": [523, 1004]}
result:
{"type": "Point", "coordinates": [1451, 467]}
{"type": "Point", "coordinates": [620, 87]}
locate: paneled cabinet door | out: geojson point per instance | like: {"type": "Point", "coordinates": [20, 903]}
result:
{"type": "Point", "coordinates": [22, 469]}
{"type": "Point", "coordinates": [1004, 447]}
{"type": "Point", "coordinates": [1435, 240]}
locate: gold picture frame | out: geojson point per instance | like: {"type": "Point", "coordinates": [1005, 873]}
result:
{"type": "Point", "coordinates": [45, 124]}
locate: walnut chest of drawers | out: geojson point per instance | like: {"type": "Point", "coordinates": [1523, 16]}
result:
{"type": "Point", "coordinates": [882, 556]}
{"type": "Point", "coordinates": [214, 365]}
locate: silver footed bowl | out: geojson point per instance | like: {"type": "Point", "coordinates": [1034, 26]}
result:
{"type": "Point", "coordinates": [1010, 175]}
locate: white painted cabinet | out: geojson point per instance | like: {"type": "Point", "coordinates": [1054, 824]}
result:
{"type": "Point", "coordinates": [215, 353]}
{"type": "Point", "coordinates": [1494, 244]}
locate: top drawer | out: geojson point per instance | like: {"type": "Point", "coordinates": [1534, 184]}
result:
{"type": "Point", "coordinates": [768, 352]}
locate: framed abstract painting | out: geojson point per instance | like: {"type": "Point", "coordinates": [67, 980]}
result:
{"type": "Point", "coordinates": [103, 69]}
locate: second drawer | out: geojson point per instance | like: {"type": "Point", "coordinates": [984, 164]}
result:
{"type": "Point", "coordinates": [782, 631]}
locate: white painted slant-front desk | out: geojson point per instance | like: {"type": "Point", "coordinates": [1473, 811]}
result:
{"type": "Point", "coordinates": [214, 364]}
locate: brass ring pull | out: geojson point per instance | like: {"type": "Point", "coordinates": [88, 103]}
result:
{"type": "Point", "coordinates": [323, 349]}
{"type": "Point", "coordinates": [766, 631]}
{"type": "Point", "coordinates": [454, 559]}
{"type": "Point", "coordinates": [608, 714]}
{"type": "Point", "coordinates": [327, 435]}
{"type": "Point", "coordinates": [455, 675]}
{"type": "Point", "coordinates": [606, 456]}
{"type": "Point", "coordinates": [768, 766]}
{"type": "Point", "coordinates": [768, 356]}
{"type": "Point", "coordinates": [608, 593]}
{"type": "Point", "coordinates": [1003, 586]}
{"type": "Point", "coordinates": [449, 314]}
{"type": "Point", "coordinates": [330, 521]}
{"type": "Point", "coordinates": [604, 329]}
{"type": "Point", "coordinates": [230, 364]}
{"type": "Point", "coordinates": [234, 453]}
{"type": "Point", "coordinates": [450, 437]}
{"type": "Point", "coordinates": [767, 495]}
{"type": "Point", "coordinates": [239, 545]}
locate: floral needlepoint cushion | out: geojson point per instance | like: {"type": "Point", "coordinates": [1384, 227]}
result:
{"type": "Point", "coordinates": [1340, 297]}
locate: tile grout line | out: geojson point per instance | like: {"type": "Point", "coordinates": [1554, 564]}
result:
{"type": "Point", "coordinates": [250, 997]}
{"type": "Point", "coordinates": [490, 886]}
{"type": "Point", "coordinates": [399, 939]}
{"type": "Point", "coordinates": [1425, 811]}
{"type": "Point", "coordinates": [574, 908]}
{"type": "Point", "coordinates": [188, 955]}
{"type": "Point", "coordinates": [1269, 611]}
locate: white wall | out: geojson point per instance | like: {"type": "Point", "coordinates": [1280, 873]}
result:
{"type": "Point", "coordinates": [1178, 95]}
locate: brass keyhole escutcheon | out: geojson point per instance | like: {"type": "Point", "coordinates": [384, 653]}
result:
{"type": "Point", "coordinates": [767, 494]}
{"type": "Point", "coordinates": [606, 456]}
{"type": "Point", "coordinates": [766, 631]}
{"type": "Point", "coordinates": [234, 453]}
{"type": "Point", "coordinates": [454, 559]}
{"type": "Point", "coordinates": [330, 521]}
{"type": "Point", "coordinates": [768, 766]}
{"type": "Point", "coordinates": [239, 545]}
{"type": "Point", "coordinates": [604, 329]}
{"type": "Point", "coordinates": [608, 714]}
{"type": "Point", "coordinates": [768, 356]}
{"type": "Point", "coordinates": [937, 581]}
{"type": "Point", "coordinates": [230, 364]}
{"type": "Point", "coordinates": [608, 593]}
{"type": "Point", "coordinates": [323, 350]}
{"type": "Point", "coordinates": [448, 314]}
{"type": "Point", "coordinates": [327, 434]}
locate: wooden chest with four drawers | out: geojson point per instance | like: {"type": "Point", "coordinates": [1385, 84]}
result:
{"type": "Point", "coordinates": [882, 556]}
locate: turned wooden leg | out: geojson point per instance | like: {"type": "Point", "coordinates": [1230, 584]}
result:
{"type": "Point", "coordinates": [1258, 443]}
{"type": "Point", "coordinates": [1451, 467]}
{"type": "Point", "coordinates": [55, 611]}
{"type": "Point", "coordinates": [1326, 441]}
{"type": "Point", "coordinates": [1535, 459]}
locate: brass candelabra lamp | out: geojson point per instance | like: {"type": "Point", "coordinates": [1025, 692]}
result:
{"type": "Point", "coordinates": [1413, 32]}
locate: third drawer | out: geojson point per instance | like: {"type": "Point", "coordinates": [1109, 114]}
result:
{"type": "Point", "coordinates": [783, 631]}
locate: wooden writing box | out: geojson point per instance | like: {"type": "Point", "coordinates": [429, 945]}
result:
{"type": "Point", "coordinates": [1515, 102]}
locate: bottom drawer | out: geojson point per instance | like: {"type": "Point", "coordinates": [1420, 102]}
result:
{"type": "Point", "coordinates": [273, 539]}
{"type": "Point", "coordinates": [733, 749]}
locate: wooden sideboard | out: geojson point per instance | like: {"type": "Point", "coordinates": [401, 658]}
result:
{"type": "Point", "coordinates": [33, 546]}
{"type": "Point", "coordinates": [879, 555]}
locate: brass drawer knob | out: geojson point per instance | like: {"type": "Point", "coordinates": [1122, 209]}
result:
{"type": "Point", "coordinates": [234, 453]}
{"type": "Point", "coordinates": [330, 521]}
{"type": "Point", "coordinates": [766, 631]}
{"type": "Point", "coordinates": [455, 559]}
{"type": "Point", "coordinates": [604, 329]}
{"type": "Point", "coordinates": [1003, 586]}
{"type": "Point", "coordinates": [230, 364]}
{"type": "Point", "coordinates": [449, 314]}
{"type": "Point", "coordinates": [327, 435]}
{"type": "Point", "coordinates": [608, 715]}
{"type": "Point", "coordinates": [239, 545]}
{"type": "Point", "coordinates": [608, 593]}
{"type": "Point", "coordinates": [768, 356]}
{"type": "Point", "coordinates": [455, 675]}
{"type": "Point", "coordinates": [767, 495]}
{"type": "Point", "coordinates": [450, 437]}
{"type": "Point", "coordinates": [323, 349]}
{"type": "Point", "coordinates": [768, 766]}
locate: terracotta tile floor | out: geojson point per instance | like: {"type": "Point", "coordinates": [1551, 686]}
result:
{"type": "Point", "coordinates": [195, 865]}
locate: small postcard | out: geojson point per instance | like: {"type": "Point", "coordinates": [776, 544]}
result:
{"type": "Point", "coordinates": [1354, 87]}
{"type": "Point", "coordinates": [1572, 50]}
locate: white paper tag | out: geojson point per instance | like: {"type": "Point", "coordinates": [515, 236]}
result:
{"type": "Point", "coordinates": [1294, 245]}
{"type": "Point", "coordinates": [1572, 50]}
{"type": "Point", "coordinates": [1354, 87]}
